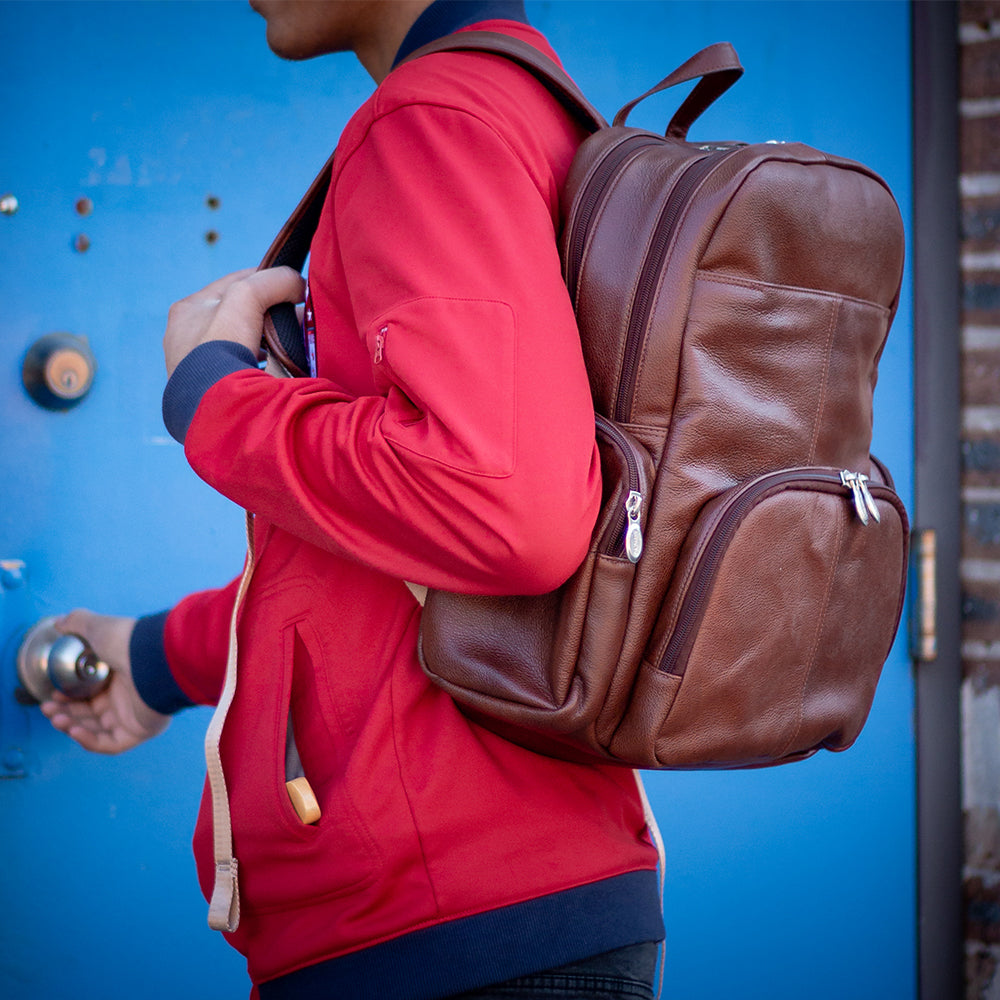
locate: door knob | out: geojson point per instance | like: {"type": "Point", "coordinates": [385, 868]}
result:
{"type": "Point", "coordinates": [49, 660]}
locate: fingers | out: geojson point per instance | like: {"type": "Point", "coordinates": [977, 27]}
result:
{"type": "Point", "coordinates": [215, 289]}
{"type": "Point", "coordinates": [260, 290]}
{"type": "Point", "coordinates": [231, 308]}
{"type": "Point", "coordinates": [268, 287]}
{"type": "Point", "coordinates": [279, 284]}
{"type": "Point", "coordinates": [95, 739]}
{"type": "Point", "coordinates": [102, 725]}
{"type": "Point", "coordinates": [81, 721]}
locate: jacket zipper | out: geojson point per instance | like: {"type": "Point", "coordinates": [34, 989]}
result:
{"type": "Point", "coordinates": [625, 536]}
{"type": "Point", "coordinates": [649, 279]}
{"type": "Point", "coordinates": [592, 196]}
{"type": "Point", "coordinates": [727, 520]}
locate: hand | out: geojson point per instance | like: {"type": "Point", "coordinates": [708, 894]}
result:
{"type": "Point", "coordinates": [231, 308]}
{"type": "Point", "coordinates": [116, 719]}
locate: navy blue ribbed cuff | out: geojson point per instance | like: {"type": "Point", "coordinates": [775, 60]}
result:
{"type": "Point", "coordinates": [150, 670]}
{"type": "Point", "coordinates": [195, 375]}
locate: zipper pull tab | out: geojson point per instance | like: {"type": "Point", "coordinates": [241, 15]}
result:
{"type": "Point", "coordinates": [869, 499]}
{"type": "Point", "coordinates": [862, 498]}
{"type": "Point", "coordinates": [633, 533]}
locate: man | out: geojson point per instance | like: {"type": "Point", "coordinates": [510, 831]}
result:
{"type": "Point", "coordinates": [445, 437]}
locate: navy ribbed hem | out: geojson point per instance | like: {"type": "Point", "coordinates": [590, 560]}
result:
{"type": "Point", "coordinates": [150, 670]}
{"type": "Point", "coordinates": [490, 947]}
{"type": "Point", "coordinates": [195, 375]}
{"type": "Point", "coordinates": [445, 16]}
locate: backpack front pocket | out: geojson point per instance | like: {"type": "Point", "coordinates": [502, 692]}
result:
{"type": "Point", "coordinates": [781, 613]}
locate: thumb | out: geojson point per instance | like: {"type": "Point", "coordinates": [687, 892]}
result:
{"type": "Point", "coordinates": [79, 622]}
{"type": "Point", "coordinates": [108, 636]}
{"type": "Point", "coordinates": [272, 285]}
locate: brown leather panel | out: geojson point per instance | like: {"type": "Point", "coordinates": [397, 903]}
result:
{"type": "Point", "coordinates": [790, 646]}
{"type": "Point", "coordinates": [787, 208]}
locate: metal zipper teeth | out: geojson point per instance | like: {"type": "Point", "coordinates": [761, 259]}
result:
{"type": "Point", "coordinates": [666, 224]}
{"type": "Point", "coordinates": [592, 196]}
{"type": "Point", "coordinates": [727, 521]}
{"type": "Point", "coordinates": [616, 545]}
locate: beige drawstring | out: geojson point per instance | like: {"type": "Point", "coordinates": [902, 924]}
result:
{"type": "Point", "coordinates": [224, 907]}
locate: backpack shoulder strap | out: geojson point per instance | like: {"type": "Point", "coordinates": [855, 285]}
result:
{"type": "Point", "coordinates": [283, 342]}
{"type": "Point", "coordinates": [526, 55]}
{"type": "Point", "coordinates": [282, 332]}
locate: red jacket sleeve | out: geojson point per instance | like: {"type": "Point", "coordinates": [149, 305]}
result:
{"type": "Point", "coordinates": [471, 466]}
{"type": "Point", "coordinates": [196, 642]}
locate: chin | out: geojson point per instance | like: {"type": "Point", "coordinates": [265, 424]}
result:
{"type": "Point", "coordinates": [297, 46]}
{"type": "Point", "coordinates": [288, 48]}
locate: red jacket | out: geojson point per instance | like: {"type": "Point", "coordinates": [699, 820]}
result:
{"type": "Point", "coordinates": [448, 439]}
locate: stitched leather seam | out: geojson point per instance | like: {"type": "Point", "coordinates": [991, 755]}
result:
{"type": "Point", "coordinates": [735, 279]}
{"type": "Point", "coordinates": [824, 381]}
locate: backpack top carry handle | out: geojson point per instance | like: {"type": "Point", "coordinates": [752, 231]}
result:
{"type": "Point", "coordinates": [718, 67]}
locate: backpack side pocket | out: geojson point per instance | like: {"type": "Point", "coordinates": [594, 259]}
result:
{"type": "Point", "coordinates": [780, 615]}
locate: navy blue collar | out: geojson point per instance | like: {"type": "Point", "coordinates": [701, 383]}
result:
{"type": "Point", "coordinates": [445, 16]}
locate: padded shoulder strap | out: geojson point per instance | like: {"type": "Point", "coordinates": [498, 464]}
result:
{"type": "Point", "coordinates": [282, 330]}
{"type": "Point", "coordinates": [551, 74]}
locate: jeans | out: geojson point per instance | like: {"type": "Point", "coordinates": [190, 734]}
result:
{"type": "Point", "coordinates": [624, 974]}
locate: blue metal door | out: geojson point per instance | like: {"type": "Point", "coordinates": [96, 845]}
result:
{"type": "Point", "coordinates": [151, 147]}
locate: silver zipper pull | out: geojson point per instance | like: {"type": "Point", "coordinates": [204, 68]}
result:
{"type": "Point", "coordinates": [869, 499]}
{"type": "Point", "coordinates": [853, 481]}
{"type": "Point", "coordinates": [633, 533]}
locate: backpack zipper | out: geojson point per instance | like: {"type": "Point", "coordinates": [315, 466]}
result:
{"type": "Point", "coordinates": [727, 520]}
{"type": "Point", "coordinates": [592, 196]}
{"type": "Point", "coordinates": [652, 267]}
{"type": "Point", "coordinates": [625, 536]}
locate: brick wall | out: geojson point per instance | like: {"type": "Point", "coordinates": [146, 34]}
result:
{"type": "Point", "coordinates": [979, 124]}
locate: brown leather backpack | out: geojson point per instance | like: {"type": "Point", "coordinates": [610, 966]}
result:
{"type": "Point", "coordinates": [746, 574]}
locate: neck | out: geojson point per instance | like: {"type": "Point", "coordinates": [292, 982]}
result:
{"type": "Point", "coordinates": [376, 47]}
